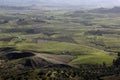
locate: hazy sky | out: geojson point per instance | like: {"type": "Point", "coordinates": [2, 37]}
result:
{"type": "Point", "coordinates": [96, 2]}
{"type": "Point", "coordinates": [72, 2]}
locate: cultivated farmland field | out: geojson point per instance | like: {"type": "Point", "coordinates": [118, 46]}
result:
{"type": "Point", "coordinates": [45, 44]}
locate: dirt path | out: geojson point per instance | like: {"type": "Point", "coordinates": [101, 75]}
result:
{"type": "Point", "coordinates": [56, 59]}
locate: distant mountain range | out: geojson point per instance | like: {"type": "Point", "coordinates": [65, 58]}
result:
{"type": "Point", "coordinates": [85, 3]}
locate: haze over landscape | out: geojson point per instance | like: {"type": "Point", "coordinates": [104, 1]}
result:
{"type": "Point", "coordinates": [59, 39]}
{"type": "Point", "coordinates": [92, 3]}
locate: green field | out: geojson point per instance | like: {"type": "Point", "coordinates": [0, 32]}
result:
{"type": "Point", "coordinates": [68, 38]}
{"type": "Point", "coordinates": [62, 33]}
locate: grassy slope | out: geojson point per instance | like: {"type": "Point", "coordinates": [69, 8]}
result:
{"type": "Point", "coordinates": [85, 54]}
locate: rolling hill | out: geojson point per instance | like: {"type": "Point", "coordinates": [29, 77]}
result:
{"type": "Point", "coordinates": [106, 10]}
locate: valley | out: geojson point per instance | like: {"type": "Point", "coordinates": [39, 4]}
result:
{"type": "Point", "coordinates": [49, 42]}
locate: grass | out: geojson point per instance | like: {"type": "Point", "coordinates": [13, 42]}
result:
{"type": "Point", "coordinates": [54, 46]}
{"type": "Point", "coordinates": [64, 25]}
{"type": "Point", "coordinates": [93, 59]}
{"type": "Point", "coordinates": [85, 54]}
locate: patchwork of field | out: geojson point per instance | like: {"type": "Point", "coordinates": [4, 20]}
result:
{"type": "Point", "coordinates": [62, 37]}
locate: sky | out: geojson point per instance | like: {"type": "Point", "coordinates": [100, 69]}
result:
{"type": "Point", "coordinates": [66, 2]}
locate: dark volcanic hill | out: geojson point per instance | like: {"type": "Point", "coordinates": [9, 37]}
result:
{"type": "Point", "coordinates": [106, 10]}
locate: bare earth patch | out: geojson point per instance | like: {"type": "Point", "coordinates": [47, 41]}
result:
{"type": "Point", "coordinates": [56, 59]}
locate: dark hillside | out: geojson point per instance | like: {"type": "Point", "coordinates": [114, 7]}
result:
{"type": "Point", "coordinates": [106, 10]}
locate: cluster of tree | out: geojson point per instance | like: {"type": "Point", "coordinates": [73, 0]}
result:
{"type": "Point", "coordinates": [22, 30]}
{"type": "Point", "coordinates": [3, 21]}
{"type": "Point", "coordinates": [22, 22]}
{"type": "Point", "coordinates": [31, 30]}
{"type": "Point", "coordinates": [85, 72]}
{"type": "Point", "coordinates": [100, 32]}
{"type": "Point", "coordinates": [30, 21]}
{"type": "Point", "coordinates": [59, 39]}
